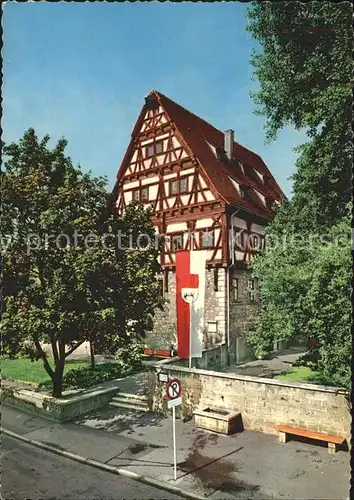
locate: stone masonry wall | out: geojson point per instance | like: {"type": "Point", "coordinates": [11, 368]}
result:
{"type": "Point", "coordinates": [263, 403]}
{"type": "Point", "coordinates": [215, 305]}
{"type": "Point", "coordinates": [213, 358]}
{"type": "Point", "coordinates": [164, 333]}
{"type": "Point", "coordinates": [243, 313]}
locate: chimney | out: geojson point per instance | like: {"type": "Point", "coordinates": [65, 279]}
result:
{"type": "Point", "coordinates": [229, 143]}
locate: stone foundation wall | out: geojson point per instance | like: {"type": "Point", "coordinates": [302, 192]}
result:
{"type": "Point", "coordinates": [214, 358]}
{"type": "Point", "coordinates": [263, 403]}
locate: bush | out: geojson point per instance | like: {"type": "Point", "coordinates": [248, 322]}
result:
{"type": "Point", "coordinates": [82, 378]}
{"type": "Point", "coordinates": [310, 359]}
{"type": "Point", "coordinates": [128, 361]}
{"type": "Point", "coordinates": [313, 360]}
{"type": "Point", "coordinates": [129, 357]}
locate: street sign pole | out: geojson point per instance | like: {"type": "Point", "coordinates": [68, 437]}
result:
{"type": "Point", "coordinates": [191, 312]}
{"type": "Point", "coordinates": [190, 337]}
{"type": "Point", "coordinates": [174, 443]}
{"type": "Point", "coordinates": [174, 390]}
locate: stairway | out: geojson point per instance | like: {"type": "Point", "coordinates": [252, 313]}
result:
{"type": "Point", "coordinates": [130, 401]}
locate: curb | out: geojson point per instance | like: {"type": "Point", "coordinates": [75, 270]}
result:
{"type": "Point", "coordinates": [108, 468]}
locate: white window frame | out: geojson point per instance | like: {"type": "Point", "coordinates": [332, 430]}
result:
{"type": "Point", "coordinates": [210, 241]}
{"type": "Point", "coordinates": [235, 289]}
{"type": "Point", "coordinates": [144, 189]}
{"type": "Point", "coordinates": [173, 249]}
{"type": "Point", "coordinates": [183, 181]}
{"type": "Point", "coordinates": [174, 187]}
{"type": "Point", "coordinates": [214, 324]}
{"type": "Point", "coordinates": [251, 287]}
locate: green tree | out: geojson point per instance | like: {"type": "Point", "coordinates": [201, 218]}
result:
{"type": "Point", "coordinates": [305, 79]}
{"type": "Point", "coordinates": [305, 291]}
{"type": "Point", "coordinates": [72, 270]}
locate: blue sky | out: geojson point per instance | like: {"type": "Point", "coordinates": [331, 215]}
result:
{"type": "Point", "coordinates": [82, 70]}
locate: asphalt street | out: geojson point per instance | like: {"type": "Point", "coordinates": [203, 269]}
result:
{"type": "Point", "coordinates": [29, 472]}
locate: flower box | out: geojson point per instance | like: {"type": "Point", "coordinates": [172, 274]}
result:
{"type": "Point", "coordinates": [218, 420]}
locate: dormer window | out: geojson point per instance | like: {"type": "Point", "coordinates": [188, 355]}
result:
{"type": "Point", "coordinates": [154, 149]}
{"type": "Point", "coordinates": [259, 175]}
{"type": "Point", "coordinates": [221, 155]}
{"type": "Point", "coordinates": [244, 192]}
{"type": "Point", "coordinates": [269, 203]}
{"type": "Point", "coordinates": [250, 172]}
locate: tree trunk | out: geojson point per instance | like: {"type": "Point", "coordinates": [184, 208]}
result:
{"type": "Point", "coordinates": [92, 355]}
{"type": "Point", "coordinates": [57, 380]}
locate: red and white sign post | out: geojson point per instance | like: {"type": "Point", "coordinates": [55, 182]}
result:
{"type": "Point", "coordinates": [174, 397]}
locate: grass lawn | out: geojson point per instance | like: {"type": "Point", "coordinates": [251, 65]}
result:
{"type": "Point", "coordinates": [24, 370]}
{"type": "Point", "coordinates": [297, 374]}
{"type": "Point", "coordinates": [306, 375]}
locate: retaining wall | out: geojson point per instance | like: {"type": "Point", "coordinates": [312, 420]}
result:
{"type": "Point", "coordinates": [58, 410]}
{"type": "Point", "coordinates": [263, 403]}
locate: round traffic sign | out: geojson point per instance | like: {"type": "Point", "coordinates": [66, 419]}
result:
{"type": "Point", "coordinates": [174, 388]}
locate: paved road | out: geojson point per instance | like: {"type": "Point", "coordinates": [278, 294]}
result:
{"type": "Point", "coordinates": [29, 472]}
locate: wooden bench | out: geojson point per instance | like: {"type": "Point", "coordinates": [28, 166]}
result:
{"type": "Point", "coordinates": [162, 353]}
{"type": "Point", "coordinates": [157, 353]}
{"type": "Point", "coordinates": [333, 441]}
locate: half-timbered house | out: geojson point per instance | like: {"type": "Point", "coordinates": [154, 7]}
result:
{"type": "Point", "coordinates": [207, 192]}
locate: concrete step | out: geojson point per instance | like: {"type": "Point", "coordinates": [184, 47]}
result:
{"type": "Point", "coordinates": [132, 401]}
{"type": "Point", "coordinates": [131, 406]}
{"type": "Point", "coordinates": [132, 397]}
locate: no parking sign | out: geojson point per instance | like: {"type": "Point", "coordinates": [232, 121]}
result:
{"type": "Point", "coordinates": [174, 397]}
{"type": "Point", "coordinates": [173, 389]}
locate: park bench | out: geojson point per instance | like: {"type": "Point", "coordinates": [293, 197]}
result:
{"type": "Point", "coordinates": [162, 353]}
{"type": "Point", "coordinates": [157, 353]}
{"type": "Point", "coordinates": [333, 441]}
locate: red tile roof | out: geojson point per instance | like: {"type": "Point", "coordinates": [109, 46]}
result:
{"type": "Point", "coordinates": [196, 132]}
